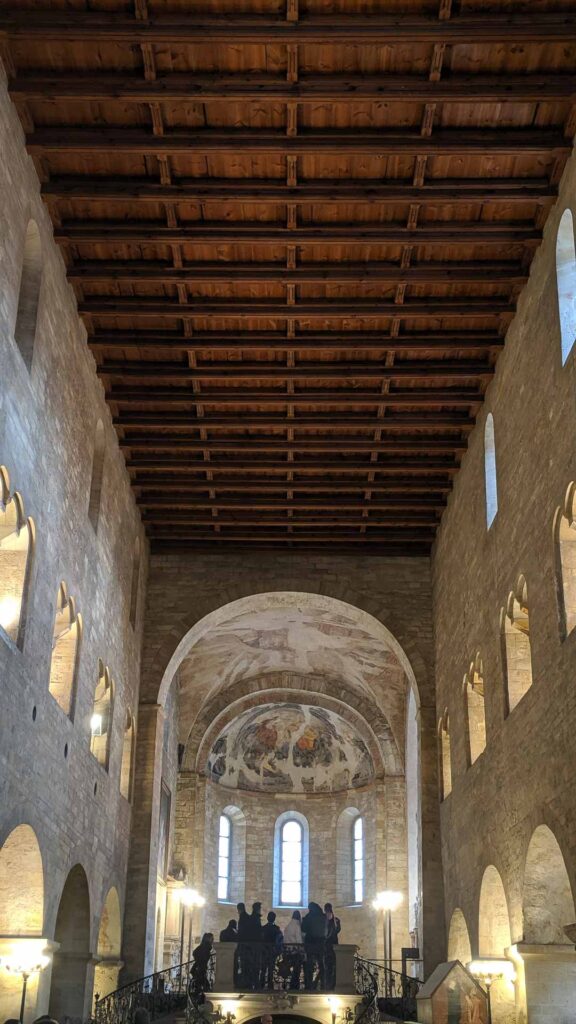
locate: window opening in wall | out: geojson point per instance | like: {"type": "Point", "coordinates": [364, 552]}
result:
{"type": "Point", "coordinates": [16, 549]}
{"type": "Point", "coordinates": [475, 709]}
{"type": "Point", "coordinates": [134, 583]}
{"type": "Point", "coordinates": [566, 282]}
{"type": "Point", "coordinates": [291, 864]}
{"type": "Point", "coordinates": [127, 756]}
{"type": "Point", "coordinates": [224, 845]}
{"type": "Point", "coordinates": [95, 498]}
{"type": "Point", "coordinates": [29, 293]}
{"type": "Point", "coordinates": [516, 642]}
{"type": "Point", "coordinates": [65, 643]}
{"type": "Point", "coordinates": [358, 860]}
{"type": "Point", "coordinates": [565, 537]}
{"type": "Point", "coordinates": [490, 471]}
{"type": "Point", "coordinates": [101, 720]}
{"type": "Point", "coordinates": [445, 755]}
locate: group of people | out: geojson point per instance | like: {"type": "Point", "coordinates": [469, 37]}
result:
{"type": "Point", "coordinates": [305, 947]}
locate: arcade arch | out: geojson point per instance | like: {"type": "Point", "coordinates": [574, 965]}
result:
{"type": "Point", "coordinates": [547, 899]}
{"type": "Point", "coordinates": [459, 947]}
{"type": "Point", "coordinates": [72, 933]}
{"type": "Point", "coordinates": [108, 947]}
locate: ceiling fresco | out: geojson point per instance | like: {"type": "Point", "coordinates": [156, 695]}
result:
{"type": "Point", "coordinates": [290, 748]}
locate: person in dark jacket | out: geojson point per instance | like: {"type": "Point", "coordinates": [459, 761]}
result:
{"type": "Point", "coordinates": [229, 934]}
{"type": "Point", "coordinates": [332, 932]}
{"type": "Point", "coordinates": [252, 949]}
{"type": "Point", "coordinates": [271, 946]}
{"type": "Point", "coordinates": [242, 954]}
{"type": "Point", "coordinates": [243, 922]}
{"type": "Point", "coordinates": [201, 957]}
{"type": "Point", "coordinates": [314, 932]}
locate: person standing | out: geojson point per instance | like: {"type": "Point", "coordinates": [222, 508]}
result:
{"type": "Point", "coordinates": [332, 932]}
{"type": "Point", "coordinates": [314, 932]}
{"type": "Point", "coordinates": [271, 946]}
{"type": "Point", "coordinates": [242, 952]}
{"type": "Point", "coordinates": [201, 957]}
{"type": "Point", "coordinates": [253, 948]}
{"type": "Point", "coordinates": [294, 948]}
{"type": "Point", "coordinates": [230, 933]}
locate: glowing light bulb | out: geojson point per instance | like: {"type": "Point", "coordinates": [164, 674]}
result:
{"type": "Point", "coordinates": [9, 611]}
{"type": "Point", "coordinates": [96, 724]}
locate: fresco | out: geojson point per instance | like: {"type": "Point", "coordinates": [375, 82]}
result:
{"type": "Point", "coordinates": [290, 748]}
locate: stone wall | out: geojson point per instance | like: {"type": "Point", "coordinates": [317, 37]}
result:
{"type": "Point", "coordinates": [50, 404]}
{"type": "Point", "coordinates": [527, 774]}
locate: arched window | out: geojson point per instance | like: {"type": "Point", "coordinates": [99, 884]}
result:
{"type": "Point", "coordinates": [135, 583]}
{"type": "Point", "coordinates": [127, 756]}
{"type": "Point", "coordinates": [224, 851]}
{"type": "Point", "coordinates": [16, 549]}
{"type": "Point", "coordinates": [475, 711]}
{"type": "Point", "coordinates": [445, 755]}
{"type": "Point", "coordinates": [358, 860]}
{"type": "Point", "coordinates": [291, 839]}
{"type": "Point", "coordinates": [566, 282]}
{"type": "Point", "coordinates": [565, 538]}
{"type": "Point", "coordinates": [101, 720]}
{"type": "Point", "coordinates": [97, 474]}
{"type": "Point", "coordinates": [517, 652]}
{"type": "Point", "coordinates": [29, 294]}
{"type": "Point", "coordinates": [65, 643]}
{"type": "Point", "coordinates": [490, 471]}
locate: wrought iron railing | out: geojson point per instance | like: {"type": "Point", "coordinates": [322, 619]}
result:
{"type": "Point", "coordinates": [161, 993]}
{"type": "Point", "coordinates": [385, 990]}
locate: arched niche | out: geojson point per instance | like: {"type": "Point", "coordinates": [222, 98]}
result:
{"type": "Point", "coordinates": [283, 820]}
{"type": "Point", "coordinates": [459, 939]}
{"type": "Point", "coordinates": [237, 852]}
{"type": "Point", "coordinates": [16, 553]}
{"type": "Point", "coordinates": [565, 557]}
{"type": "Point", "coordinates": [345, 855]}
{"type": "Point", "coordinates": [21, 884]}
{"type": "Point", "coordinates": [517, 651]}
{"type": "Point", "coordinates": [101, 719]}
{"type": "Point", "coordinates": [445, 755]}
{"type": "Point", "coordinates": [68, 995]}
{"type": "Point", "coordinates": [473, 689]}
{"type": "Point", "coordinates": [490, 480]}
{"type": "Point", "coordinates": [95, 496]}
{"type": "Point", "coordinates": [493, 919]}
{"type": "Point", "coordinates": [108, 947]}
{"type": "Point", "coordinates": [566, 282]}
{"type": "Point", "coordinates": [29, 293]}
{"type": "Point", "coordinates": [66, 634]}
{"type": "Point", "coordinates": [127, 765]}
{"type": "Point", "coordinates": [547, 899]}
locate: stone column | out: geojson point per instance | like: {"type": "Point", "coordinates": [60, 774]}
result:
{"type": "Point", "coordinates": [548, 973]}
{"type": "Point", "coordinates": [345, 984]}
{"type": "Point", "coordinates": [224, 975]}
{"type": "Point", "coordinates": [433, 938]}
{"type": "Point", "coordinates": [140, 913]}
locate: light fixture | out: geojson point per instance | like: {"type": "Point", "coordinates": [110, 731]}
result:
{"type": "Point", "coordinates": [27, 960]}
{"type": "Point", "coordinates": [9, 611]}
{"type": "Point", "coordinates": [225, 1012]}
{"type": "Point", "coordinates": [190, 898]}
{"type": "Point", "coordinates": [388, 900]}
{"type": "Point", "coordinates": [96, 723]}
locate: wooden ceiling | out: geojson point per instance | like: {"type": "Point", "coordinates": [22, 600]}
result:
{"type": "Point", "coordinates": [297, 230]}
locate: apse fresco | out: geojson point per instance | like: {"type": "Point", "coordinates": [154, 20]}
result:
{"type": "Point", "coordinates": [290, 748]}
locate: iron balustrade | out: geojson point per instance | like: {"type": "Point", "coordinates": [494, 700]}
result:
{"type": "Point", "coordinates": [161, 993]}
{"type": "Point", "coordinates": [385, 990]}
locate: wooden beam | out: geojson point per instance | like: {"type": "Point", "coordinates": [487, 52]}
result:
{"type": "Point", "coordinates": [241, 536]}
{"type": "Point", "coordinates": [271, 191]}
{"type": "Point", "coordinates": [241, 396]}
{"type": "Point", "coordinates": [171, 341]}
{"type": "Point", "coordinates": [343, 465]}
{"type": "Point", "coordinates": [140, 272]}
{"type": "Point", "coordinates": [180, 524]}
{"type": "Point", "coordinates": [246, 309]}
{"type": "Point", "coordinates": [332, 142]}
{"type": "Point", "coordinates": [381, 549]}
{"type": "Point", "coordinates": [335, 503]}
{"type": "Point", "coordinates": [400, 445]}
{"type": "Point", "coordinates": [259, 421]}
{"type": "Point", "coordinates": [450, 233]}
{"type": "Point", "coordinates": [182, 487]}
{"type": "Point", "coordinates": [181, 29]}
{"type": "Point", "coordinates": [225, 88]}
{"type": "Point", "coordinates": [454, 369]}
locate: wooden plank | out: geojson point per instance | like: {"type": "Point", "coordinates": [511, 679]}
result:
{"type": "Point", "coordinates": [381, 550]}
{"type": "Point", "coordinates": [130, 307]}
{"type": "Point", "coordinates": [180, 525]}
{"type": "Point", "coordinates": [141, 272]}
{"type": "Point", "coordinates": [332, 142]}
{"type": "Point", "coordinates": [182, 488]}
{"type": "Point", "coordinates": [455, 370]}
{"type": "Point", "coordinates": [240, 190]}
{"type": "Point", "coordinates": [471, 29]}
{"type": "Point", "coordinates": [241, 536]}
{"type": "Point", "coordinates": [272, 341]}
{"type": "Point", "coordinates": [344, 465]}
{"type": "Point", "coordinates": [189, 88]}
{"type": "Point", "coordinates": [335, 503]}
{"type": "Point", "coordinates": [155, 443]}
{"type": "Point", "coordinates": [442, 233]}
{"type": "Point", "coordinates": [241, 396]}
{"type": "Point", "coordinates": [259, 421]}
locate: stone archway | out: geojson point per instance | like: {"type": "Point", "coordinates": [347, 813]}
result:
{"type": "Point", "coordinates": [459, 947]}
{"type": "Point", "coordinates": [109, 946]}
{"type": "Point", "coordinates": [547, 900]}
{"type": "Point", "coordinates": [68, 994]}
{"type": "Point", "coordinates": [21, 913]}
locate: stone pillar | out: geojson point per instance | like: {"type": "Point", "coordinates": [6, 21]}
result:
{"type": "Point", "coordinates": [548, 973]}
{"type": "Point", "coordinates": [224, 974]}
{"type": "Point", "coordinates": [140, 914]}
{"type": "Point", "coordinates": [432, 941]}
{"type": "Point", "coordinates": [345, 983]}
